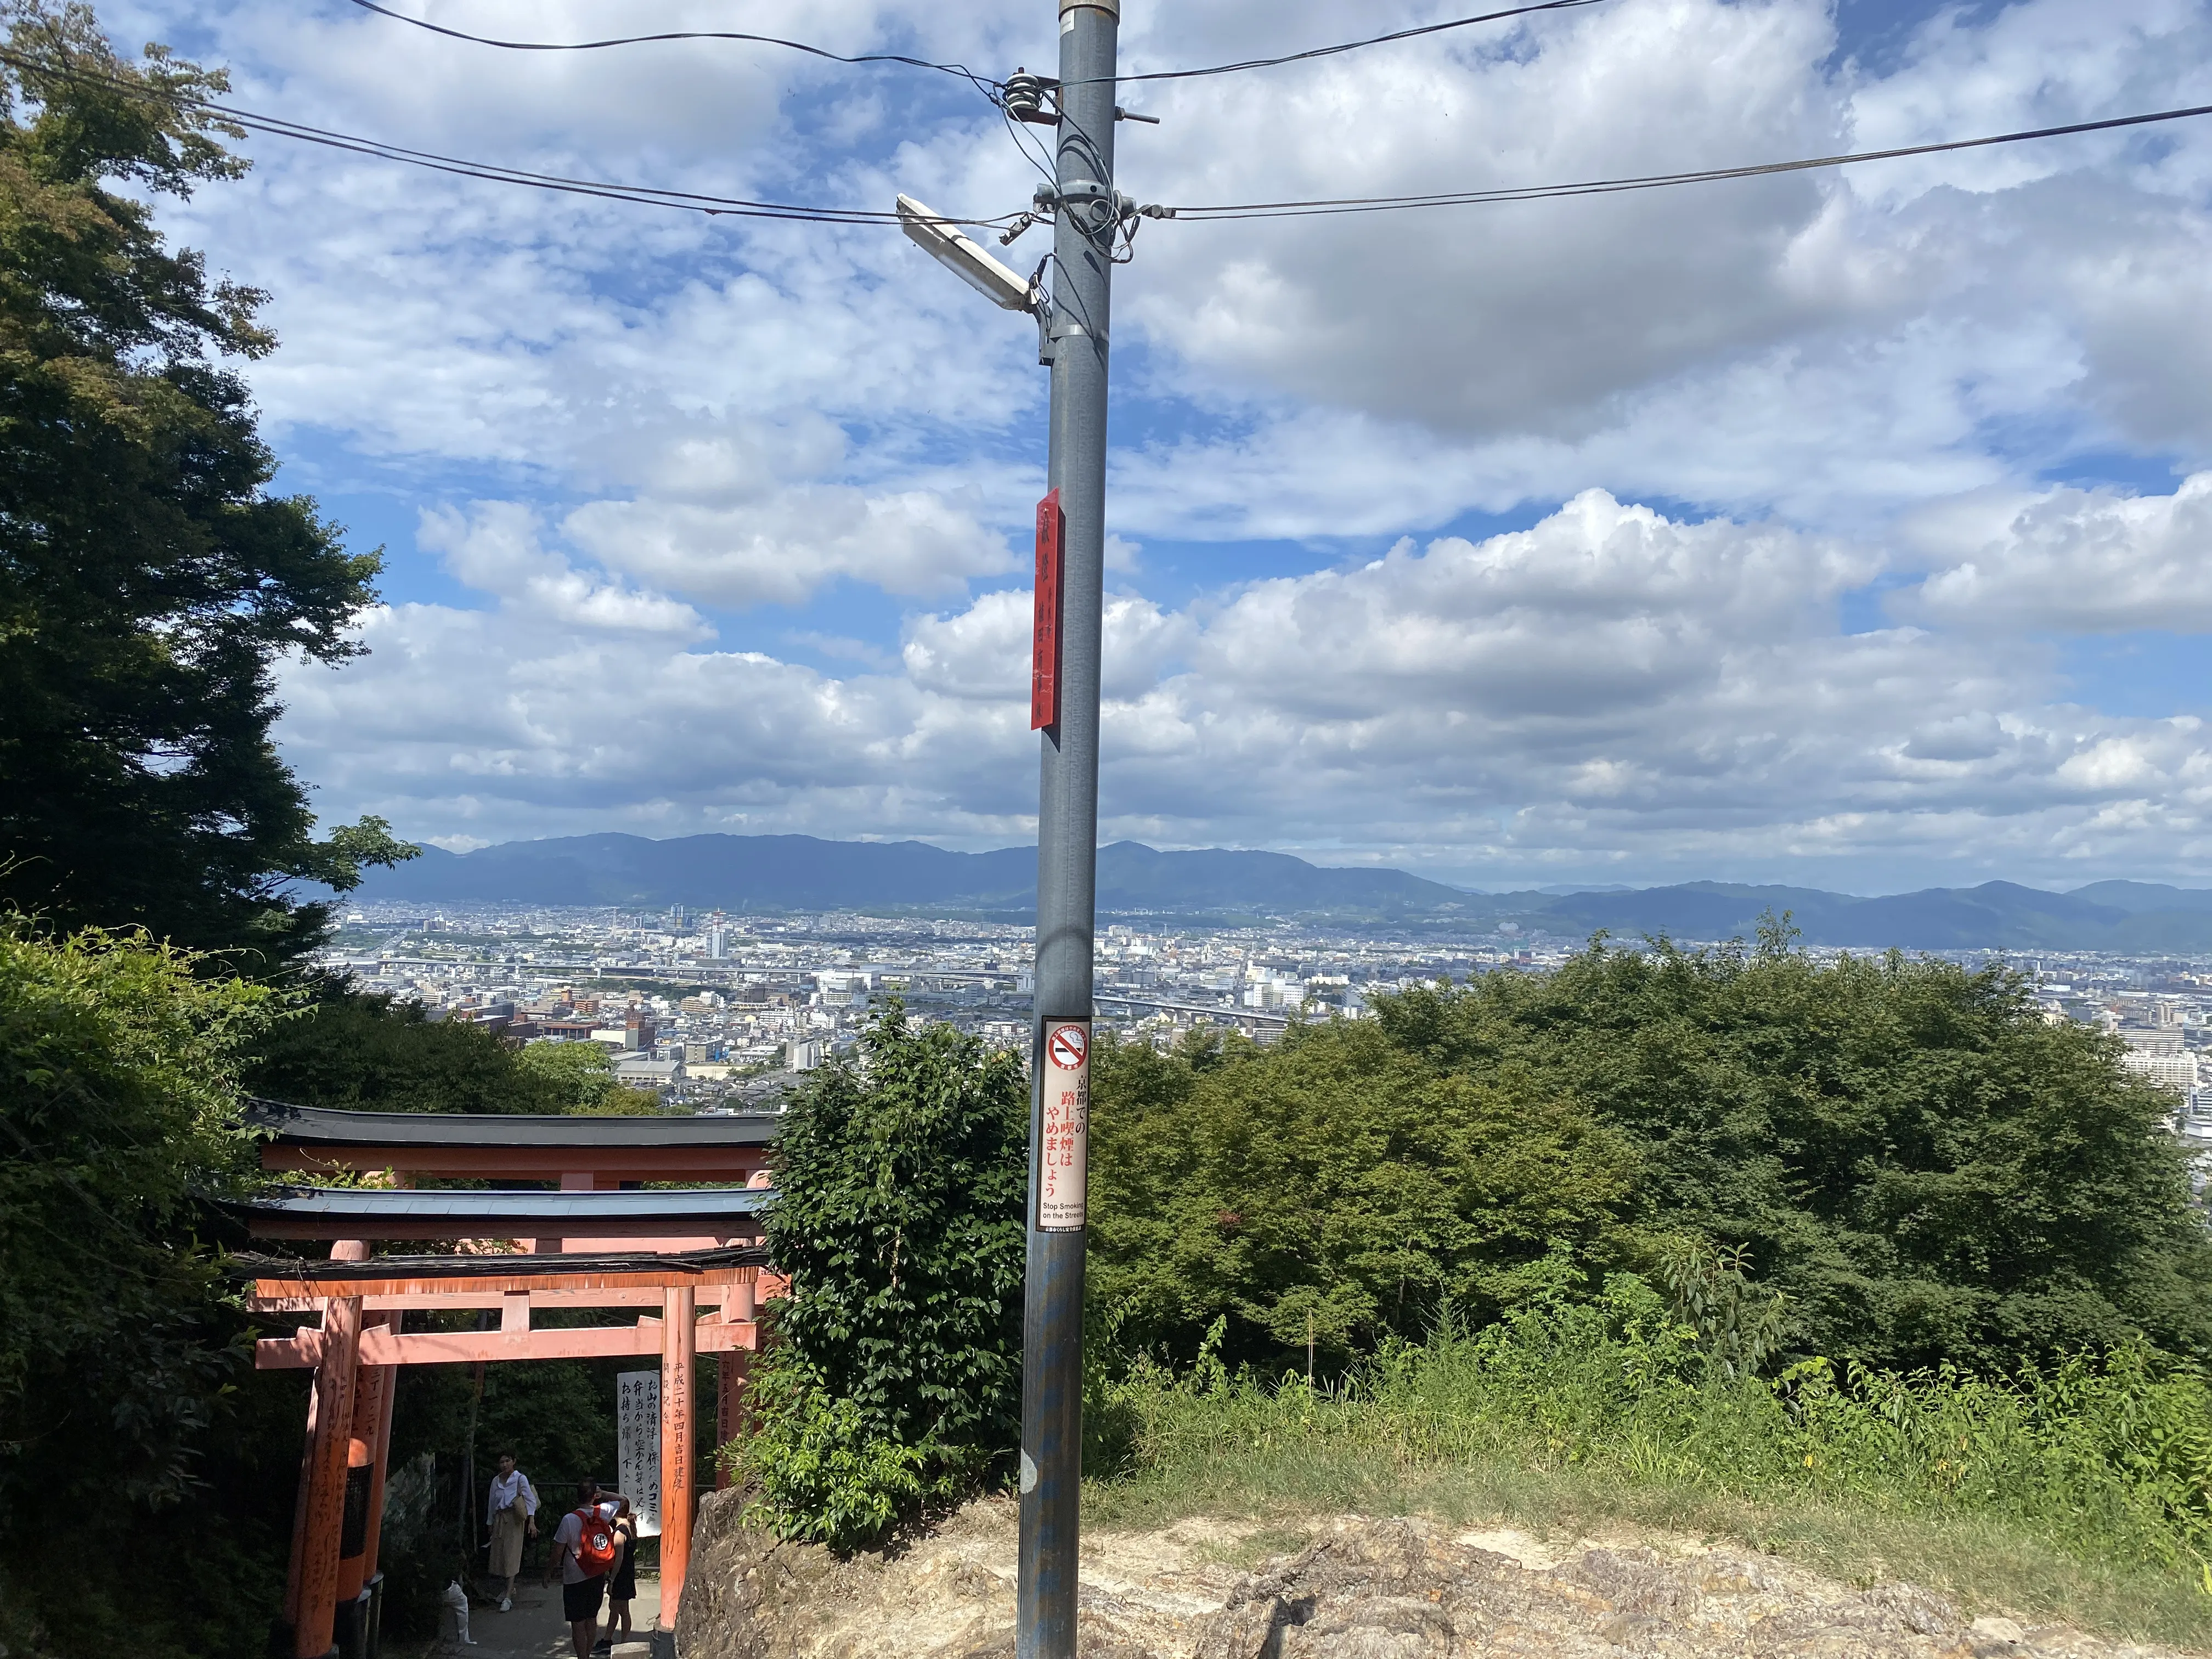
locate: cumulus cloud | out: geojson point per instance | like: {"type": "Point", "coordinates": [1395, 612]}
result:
{"type": "Point", "coordinates": [1611, 689]}
{"type": "Point", "coordinates": [616, 420]}
{"type": "Point", "coordinates": [2072, 562]}
{"type": "Point", "coordinates": [781, 546]}
{"type": "Point", "coordinates": [494, 547]}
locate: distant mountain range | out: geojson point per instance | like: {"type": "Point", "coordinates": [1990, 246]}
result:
{"type": "Point", "coordinates": [772, 873]}
{"type": "Point", "coordinates": [799, 873]}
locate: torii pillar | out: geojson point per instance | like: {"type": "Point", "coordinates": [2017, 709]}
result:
{"type": "Point", "coordinates": [679, 1341]}
{"type": "Point", "coordinates": [316, 1547]}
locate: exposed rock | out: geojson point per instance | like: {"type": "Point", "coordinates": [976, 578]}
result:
{"type": "Point", "coordinates": [1361, 1588]}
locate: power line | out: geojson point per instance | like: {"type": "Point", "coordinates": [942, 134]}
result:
{"type": "Point", "coordinates": [960, 70]}
{"type": "Point", "coordinates": [1310, 54]}
{"type": "Point", "coordinates": [645, 195]}
{"type": "Point", "coordinates": [1651, 181]}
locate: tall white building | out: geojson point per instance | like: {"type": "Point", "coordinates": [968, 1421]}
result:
{"type": "Point", "coordinates": [2176, 1070]}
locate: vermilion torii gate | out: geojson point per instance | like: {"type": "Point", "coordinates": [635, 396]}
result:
{"type": "Point", "coordinates": [690, 1256]}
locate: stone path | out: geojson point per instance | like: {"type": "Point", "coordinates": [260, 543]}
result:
{"type": "Point", "coordinates": [535, 1630]}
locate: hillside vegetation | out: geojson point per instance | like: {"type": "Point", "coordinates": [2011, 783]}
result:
{"type": "Point", "coordinates": [1920, 1169]}
{"type": "Point", "coordinates": [1861, 1261]}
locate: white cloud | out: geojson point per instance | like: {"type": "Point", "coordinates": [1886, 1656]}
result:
{"type": "Point", "coordinates": [781, 545]}
{"type": "Point", "coordinates": [615, 419]}
{"type": "Point", "coordinates": [2072, 562]}
{"type": "Point", "coordinates": [494, 547]}
{"type": "Point", "coordinates": [1610, 689]}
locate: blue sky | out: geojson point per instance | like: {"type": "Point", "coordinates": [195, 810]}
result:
{"type": "Point", "coordinates": [1844, 529]}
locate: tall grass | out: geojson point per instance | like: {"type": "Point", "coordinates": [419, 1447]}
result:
{"type": "Point", "coordinates": [2097, 1472]}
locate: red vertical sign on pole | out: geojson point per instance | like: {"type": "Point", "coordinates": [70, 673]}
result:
{"type": "Point", "coordinates": [1044, 640]}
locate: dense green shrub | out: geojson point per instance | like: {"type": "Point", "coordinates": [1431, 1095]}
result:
{"type": "Point", "coordinates": [1338, 1184]}
{"type": "Point", "coordinates": [891, 1376]}
{"type": "Point", "coordinates": [1926, 1171]}
{"type": "Point", "coordinates": [120, 1352]}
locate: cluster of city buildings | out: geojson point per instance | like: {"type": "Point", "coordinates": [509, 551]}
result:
{"type": "Point", "coordinates": [717, 1011]}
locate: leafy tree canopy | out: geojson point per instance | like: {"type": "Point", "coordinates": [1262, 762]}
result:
{"type": "Point", "coordinates": [582, 1076]}
{"type": "Point", "coordinates": [369, 1053]}
{"type": "Point", "coordinates": [150, 584]}
{"type": "Point", "coordinates": [1924, 1167]}
{"type": "Point", "coordinates": [893, 1379]}
{"type": "Point", "coordinates": [118, 1349]}
{"type": "Point", "coordinates": [1337, 1186]}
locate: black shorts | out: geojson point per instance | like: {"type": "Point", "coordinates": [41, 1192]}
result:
{"type": "Point", "coordinates": [580, 1601]}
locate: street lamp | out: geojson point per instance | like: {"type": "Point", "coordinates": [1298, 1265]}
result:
{"type": "Point", "coordinates": [1072, 332]}
{"type": "Point", "coordinates": [945, 242]}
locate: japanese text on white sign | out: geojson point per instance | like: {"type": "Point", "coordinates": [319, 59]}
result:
{"type": "Point", "coordinates": [637, 1446]}
{"type": "Point", "coordinates": [1062, 1164]}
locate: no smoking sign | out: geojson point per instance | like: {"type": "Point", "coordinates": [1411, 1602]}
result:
{"type": "Point", "coordinates": [1064, 1125]}
{"type": "Point", "coordinates": [1070, 1047]}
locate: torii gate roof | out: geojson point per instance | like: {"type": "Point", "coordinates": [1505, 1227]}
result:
{"type": "Point", "coordinates": [370, 1212]}
{"type": "Point", "coordinates": [520, 1146]}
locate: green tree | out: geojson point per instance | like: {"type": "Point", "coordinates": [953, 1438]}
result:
{"type": "Point", "coordinates": [891, 1380]}
{"type": "Point", "coordinates": [1337, 1186]}
{"type": "Point", "coordinates": [367, 1053]}
{"type": "Point", "coordinates": [149, 582]}
{"type": "Point", "coordinates": [1902, 1152]}
{"type": "Point", "coordinates": [119, 1353]}
{"type": "Point", "coordinates": [582, 1075]}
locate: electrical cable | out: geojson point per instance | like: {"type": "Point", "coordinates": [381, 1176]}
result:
{"type": "Point", "coordinates": [960, 70]}
{"type": "Point", "coordinates": [993, 91]}
{"type": "Point", "coordinates": [1312, 52]}
{"type": "Point", "coordinates": [645, 195]}
{"type": "Point", "coordinates": [1652, 181]}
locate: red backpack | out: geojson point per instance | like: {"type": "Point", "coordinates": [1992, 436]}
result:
{"type": "Point", "coordinates": [595, 1543]}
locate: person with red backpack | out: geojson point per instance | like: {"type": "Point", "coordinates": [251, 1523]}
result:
{"type": "Point", "coordinates": [587, 1545]}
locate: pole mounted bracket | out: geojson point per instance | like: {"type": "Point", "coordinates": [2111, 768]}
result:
{"type": "Point", "coordinates": [1093, 207]}
{"type": "Point", "coordinates": [1046, 316]}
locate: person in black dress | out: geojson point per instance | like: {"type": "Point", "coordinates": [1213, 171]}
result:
{"type": "Point", "coordinates": [621, 1583]}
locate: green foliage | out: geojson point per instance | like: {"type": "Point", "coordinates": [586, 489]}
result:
{"type": "Point", "coordinates": [1339, 1180]}
{"type": "Point", "coordinates": [120, 1357]}
{"type": "Point", "coordinates": [582, 1076]}
{"type": "Point", "coordinates": [2107, 1457]}
{"type": "Point", "coordinates": [148, 583]}
{"type": "Point", "coordinates": [370, 1054]}
{"type": "Point", "coordinates": [1923, 1168]}
{"type": "Point", "coordinates": [891, 1378]}
{"type": "Point", "coordinates": [1737, 1325]}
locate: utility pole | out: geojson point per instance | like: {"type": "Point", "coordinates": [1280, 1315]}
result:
{"type": "Point", "coordinates": [1087, 214]}
{"type": "Point", "coordinates": [1088, 218]}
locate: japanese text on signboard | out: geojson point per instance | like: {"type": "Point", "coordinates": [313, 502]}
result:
{"type": "Point", "coordinates": [637, 1446]}
{"type": "Point", "coordinates": [1064, 1140]}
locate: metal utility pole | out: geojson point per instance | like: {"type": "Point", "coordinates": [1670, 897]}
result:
{"type": "Point", "coordinates": [1086, 215]}
{"type": "Point", "coordinates": [1088, 218]}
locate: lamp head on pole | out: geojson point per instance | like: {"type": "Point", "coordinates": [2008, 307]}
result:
{"type": "Point", "coordinates": [951, 247]}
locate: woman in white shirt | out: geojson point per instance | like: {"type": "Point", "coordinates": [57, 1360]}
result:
{"type": "Point", "coordinates": [510, 1513]}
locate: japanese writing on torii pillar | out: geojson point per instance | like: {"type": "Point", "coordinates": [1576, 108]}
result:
{"type": "Point", "coordinates": [1062, 1154]}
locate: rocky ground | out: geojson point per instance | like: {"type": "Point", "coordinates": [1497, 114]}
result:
{"type": "Point", "coordinates": [1357, 1588]}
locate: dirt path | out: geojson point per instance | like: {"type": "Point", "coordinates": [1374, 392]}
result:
{"type": "Point", "coordinates": [535, 1629]}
